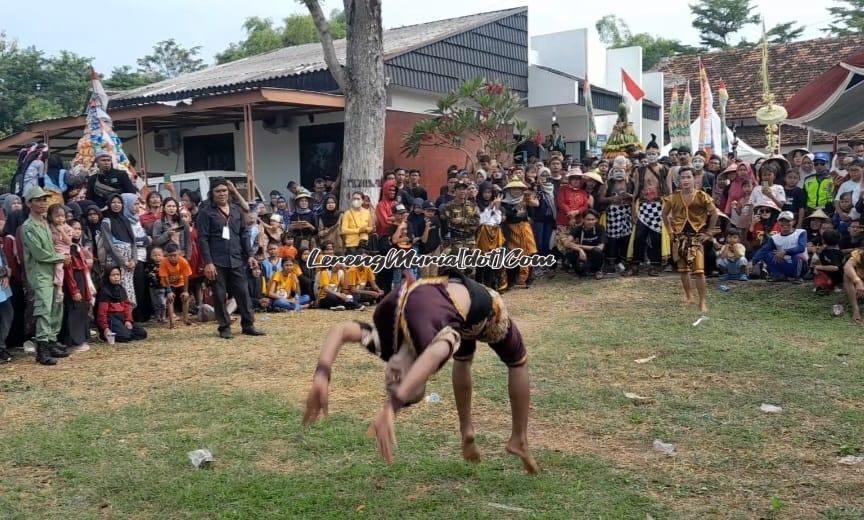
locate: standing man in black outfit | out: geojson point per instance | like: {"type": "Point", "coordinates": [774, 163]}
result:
{"type": "Point", "coordinates": [224, 248]}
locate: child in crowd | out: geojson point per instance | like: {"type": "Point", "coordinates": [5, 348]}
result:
{"type": "Point", "coordinates": [285, 292]}
{"type": "Point", "coordinates": [843, 216]}
{"type": "Point", "coordinates": [273, 263]}
{"type": "Point", "coordinates": [158, 293]}
{"type": "Point", "coordinates": [796, 198]}
{"type": "Point", "coordinates": [361, 282]}
{"type": "Point", "coordinates": [61, 234]}
{"type": "Point", "coordinates": [333, 292]}
{"type": "Point", "coordinates": [174, 273]}
{"type": "Point", "coordinates": [288, 250]}
{"type": "Point", "coordinates": [732, 257]}
{"type": "Point", "coordinates": [828, 263]}
{"type": "Point", "coordinates": [79, 290]}
{"type": "Point", "coordinates": [114, 313]}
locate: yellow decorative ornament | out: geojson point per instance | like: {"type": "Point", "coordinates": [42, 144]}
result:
{"type": "Point", "coordinates": [771, 115]}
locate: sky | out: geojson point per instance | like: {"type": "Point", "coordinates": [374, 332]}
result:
{"type": "Point", "coordinates": [128, 30]}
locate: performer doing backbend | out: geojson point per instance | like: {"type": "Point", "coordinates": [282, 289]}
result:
{"type": "Point", "coordinates": [416, 330]}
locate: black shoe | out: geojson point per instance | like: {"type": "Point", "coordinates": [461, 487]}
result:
{"type": "Point", "coordinates": [58, 351]}
{"type": "Point", "coordinates": [43, 357]}
{"type": "Point", "coordinates": [252, 331]}
{"type": "Point", "coordinates": [226, 333]}
{"type": "Point", "coordinates": [5, 356]}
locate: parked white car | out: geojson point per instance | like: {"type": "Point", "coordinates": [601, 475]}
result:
{"type": "Point", "coordinates": [200, 182]}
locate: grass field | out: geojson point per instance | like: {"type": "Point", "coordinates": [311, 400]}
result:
{"type": "Point", "coordinates": [105, 433]}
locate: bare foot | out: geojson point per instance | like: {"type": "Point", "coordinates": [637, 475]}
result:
{"type": "Point", "coordinates": [470, 451]}
{"type": "Point", "coordinates": [703, 306]}
{"type": "Point", "coordinates": [520, 449]}
{"type": "Point", "coordinates": [688, 300]}
{"type": "Point", "coordinates": [858, 320]}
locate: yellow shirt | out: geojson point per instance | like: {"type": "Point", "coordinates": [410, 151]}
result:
{"type": "Point", "coordinates": [328, 279]}
{"type": "Point", "coordinates": [360, 276]}
{"type": "Point", "coordinates": [696, 214]}
{"type": "Point", "coordinates": [352, 222]}
{"type": "Point", "coordinates": [287, 283]}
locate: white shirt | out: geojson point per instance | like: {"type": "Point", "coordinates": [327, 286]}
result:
{"type": "Point", "coordinates": [491, 217]}
{"type": "Point", "coordinates": [757, 198]}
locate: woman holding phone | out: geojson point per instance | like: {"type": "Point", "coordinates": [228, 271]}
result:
{"type": "Point", "coordinates": [172, 228]}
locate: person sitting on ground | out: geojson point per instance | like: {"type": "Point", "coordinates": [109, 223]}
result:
{"type": "Point", "coordinates": [437, 319]}
{"type": "Point", "coordinates": [764, 224]}
{"type": "Point", "coordinates": [257, 288]}
{"type": "Point", "coordinates": [854, 239]}
{"type": "Point", "coordinates": [273, 263]}
{"type": "Point", "coordinates": [585, 246]}
{"type": "Point", "coordinates": [845, 213]}
{"type": "Point", "coordinates": [285, 291]}
{"type": "Point", "coordinates": [333, 291]}
{"type": "Point", "coordinates": [828, 263]}
{"type": "Point", "coordinates": [732, 258]}
{"type": "Point", "coordinates": [174, 272]}
{"type": "Point", "coordinates": [853, 283]}
{"type": "Point", "coordinates": [114, 312]}
{"type": "Point", "coordinates": [785, 254]}
{"type": "Point", "coordinates": [361, 280]}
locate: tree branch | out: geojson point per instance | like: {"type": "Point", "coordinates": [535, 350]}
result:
{"type": "Point", "coordinates": [330, 58]}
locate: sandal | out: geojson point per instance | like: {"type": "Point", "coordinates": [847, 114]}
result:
{"type": "Point", "coordinates": [599, 275]}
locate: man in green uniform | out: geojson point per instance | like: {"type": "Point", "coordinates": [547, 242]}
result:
{"type": "Point", "coordinates": [462, 218]}
{"type": "Point", "coordinates": [39, 261]}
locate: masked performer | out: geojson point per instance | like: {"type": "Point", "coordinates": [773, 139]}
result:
{"type": "Point", "coordinates": [651, 186]}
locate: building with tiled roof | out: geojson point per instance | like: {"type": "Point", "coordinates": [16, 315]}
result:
{"type": "Point", "coordinates": [792, 66]}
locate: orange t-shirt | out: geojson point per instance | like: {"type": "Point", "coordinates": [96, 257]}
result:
{"type": "Point", "coordinates": [288, 252]}
{"type": "Point", "coordinates": [176, 275]}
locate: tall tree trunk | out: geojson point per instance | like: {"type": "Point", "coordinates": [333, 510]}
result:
{"type": "Point", "coordinates": [363, 83]}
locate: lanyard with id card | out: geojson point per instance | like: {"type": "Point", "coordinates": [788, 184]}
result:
{"type": "Point", "coordinates": [226, 231]}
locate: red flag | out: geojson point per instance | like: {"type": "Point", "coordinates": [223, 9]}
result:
{"type": "Point", "coordinates": [632, 87]}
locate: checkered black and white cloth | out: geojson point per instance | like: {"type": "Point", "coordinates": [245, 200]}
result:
{"type": "Point", "coordinates": [618, 221]}
{"type": "Point", "coordinates": [651, 214]}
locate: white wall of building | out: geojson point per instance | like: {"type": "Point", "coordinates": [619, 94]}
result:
{"type": "Point", "coordinates": [565, 51]}
{"type": "Point", "coordinates": [411, 100]}
{"type": "Point", "coordinates": [652, 82]}
{"type": "Point", "coordinates": [549, 89]}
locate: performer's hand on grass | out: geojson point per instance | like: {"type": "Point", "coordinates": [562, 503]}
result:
{"type": "Point", "coordinates": [316, 402]}
{"type": "Point", "coordinates": [384, 430]}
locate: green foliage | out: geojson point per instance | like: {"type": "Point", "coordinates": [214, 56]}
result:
{"type": "Point", "coordinates": [124, 78]}
{"type": "Point", "coordinates": [36, 86]}
{"type": "Point", "coordinates": [7, 170]}
{"type": "Point", "coordinates": [479, 110]}
{"type": "Point", "coordinates": [615, 33]}
{"type": "Point", "coordinates": [848, 18]}
{"type": "Point", "coordinates": [170, 59]}
{"type": "Point", "coordinates": [718, 20]}
{"type": "Point", "coordinates": [784, 33]}
{"type": "Point", "coordinates": [262, 36]}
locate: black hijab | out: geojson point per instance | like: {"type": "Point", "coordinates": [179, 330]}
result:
{"type": "Point", "coordinates": [86, 206]}
{"type": "Point", "coordinates": [13, 222]}
{"type": "Point", "coordinates": [481, 203]}
{"type": "Point", "coordinates": [329, 218]}
{"type": "Point", "coordinates": [110, 292]}
{"type": "Point", "coordinates": [121, 229]}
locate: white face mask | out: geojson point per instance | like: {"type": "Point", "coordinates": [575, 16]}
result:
{"type": "Point", "coordinates": [698, 163]}
{"type": "Point", "coordinates": [356, 203]}
{"type": "Point", "coordinates": [652, 157]}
